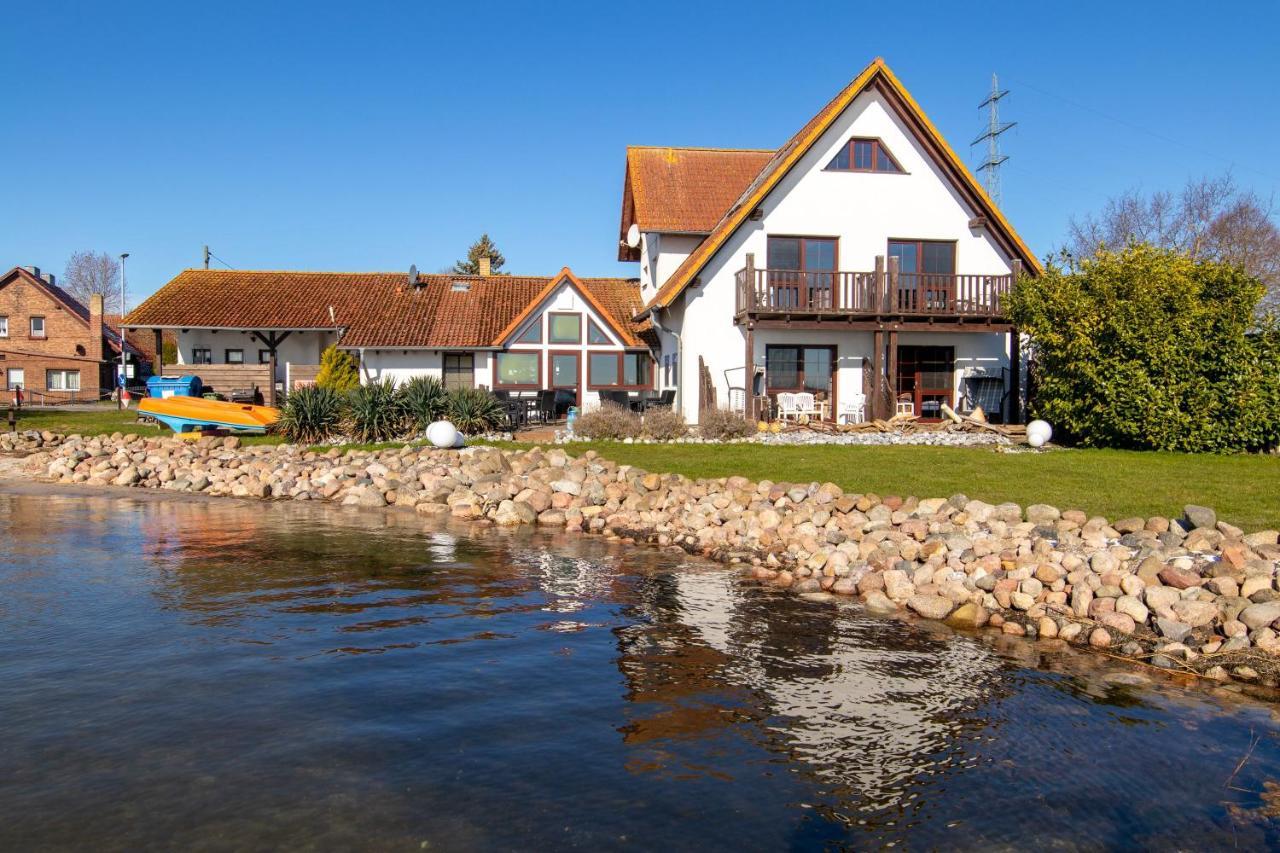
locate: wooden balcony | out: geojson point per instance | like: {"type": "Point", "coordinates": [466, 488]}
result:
{"type": "Point", "coordinates": [881, 298]}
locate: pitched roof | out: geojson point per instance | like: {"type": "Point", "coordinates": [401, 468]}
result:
{"type": "Point", "coordinates": [876, 75]}
{"type": "Point", "coordinates": [75, 306]}
{"type": "Point", "coordinates": [375, 309]}
{"type": "Point", "coordinates": [621, 329]}
{"type": "Point", "coordinates": [141, 344]}
{"type": "Point", "coordinates": [684, 190]}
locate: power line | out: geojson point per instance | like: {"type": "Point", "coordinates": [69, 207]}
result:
{"type": "Point", "coordinates": [221, 261]}
{"type": "Point", "coordinates": [1139, 128]}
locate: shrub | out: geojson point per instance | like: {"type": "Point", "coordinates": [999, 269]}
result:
{"type": "Point", "coordinates": [1148, 349]}
{"type": "Point", "coordinates": [474, 410]}
{"type": "Point", "coordinates": [338, 370]}
{"type": "Point", "coordinates": [608, 421]}
{"type": "Point", "coordinates": [311, 414]}
{"type": "Point", "coordinates": [721, 424]}
{"type": "Point", "coordinates": [424, 400]}
{"type": "Point", "coordinates": [664, 424]}
{"type": "Point", "coordinates": [377, 412]}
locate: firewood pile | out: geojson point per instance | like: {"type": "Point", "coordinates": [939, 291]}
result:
{"type": "Point", "coordinates": [975, 422]}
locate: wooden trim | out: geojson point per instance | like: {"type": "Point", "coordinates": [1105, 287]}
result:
{"type": "Point", "coordinates": [877, 145]}
{"type": "Point", "coordinates": [592, 324]}
{"type": "Point", "coordinates": [551, 315]}
{"type": "Point", "coordinates": [551, 371]}
{"type": "Point", "coordinates": [566, 275]}
{"type": "Point", "coordinates": [521, 386]}
{"type": "Point", "coordinates": [537, 324]}
{"type": "Point", "coordinates": [877, 371]}
{"type": "Point", "coordinates": [470, 371]}
{"type": "Point", "coordinates": [833, 395]}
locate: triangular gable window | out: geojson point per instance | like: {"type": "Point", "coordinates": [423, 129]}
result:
{"type": "Point", "coordinates": [532, 334]}
{"type": "Point", "coordinates": [595, 334]}
{"type": "Point", "coordinates": [864, 155]}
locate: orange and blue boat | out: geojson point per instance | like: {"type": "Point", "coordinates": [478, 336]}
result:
{"type": "Point", "coordinates": [196, 414]}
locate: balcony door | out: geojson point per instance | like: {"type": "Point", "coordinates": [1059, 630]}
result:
{"type": "Point", "coordinates": [926, 376]}
{"type": "Point", "coordinates": [802, 368]}
{"type": "Point", "coordinates": [802, 272]}
{"type": "Point", "coordinates": [926, 274]}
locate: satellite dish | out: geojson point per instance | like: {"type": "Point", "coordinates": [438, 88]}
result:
{"type": "Point", "coordinates": [413, 273]}
{"type": "Point", "coordinates": [633, 236]}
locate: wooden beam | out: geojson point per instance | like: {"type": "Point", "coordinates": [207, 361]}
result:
{"type": "Point", "coordinates": [1015, 377]}
{"type": "Point", "coordinates": [884, 325]}
{"type": "Point", "coordinates": [892, 378]}
{"type": "Point", "coordinates": [158, 367]}
{"type": "Point", "coordinates": [750, 405]}
{"type": "Point", "coordinates": [271, 376]}
{"type": "Point", "coordinates": [877, 374]}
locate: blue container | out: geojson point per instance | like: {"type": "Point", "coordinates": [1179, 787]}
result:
{"type": "Point", "coordinates": [174, 386]}
{"type": "Point", "coordinates": [573, 416]}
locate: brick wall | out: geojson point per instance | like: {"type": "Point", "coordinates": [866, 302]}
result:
{"type": "Point", "coordinates": [65, 344]}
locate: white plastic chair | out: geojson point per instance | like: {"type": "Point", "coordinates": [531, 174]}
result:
{"type": "Point", "coordinates": [787, 406]}
{"type": "Point", "coordinates": [854, 410]}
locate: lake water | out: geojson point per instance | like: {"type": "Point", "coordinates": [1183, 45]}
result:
{"type": "Point", "coordinates": [224, 675]}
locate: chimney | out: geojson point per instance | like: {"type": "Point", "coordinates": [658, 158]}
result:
{"type": "Point", "coordinates": [486, 264]}
{"type": "Point", "coordinates": [35, 271]}
{"type": "Point", "coordinates": [50, 278]}
{"type": "Point", "coordinates": [94, 348]}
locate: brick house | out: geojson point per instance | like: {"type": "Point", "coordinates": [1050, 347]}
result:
{"type": "Point", "coordinates": [52, 346]}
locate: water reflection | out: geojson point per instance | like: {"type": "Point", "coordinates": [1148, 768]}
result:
{"type": "Point", "coordinates": [298, 676]}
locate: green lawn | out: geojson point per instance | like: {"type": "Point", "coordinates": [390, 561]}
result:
{"type": "Point", "coordinates": [1245, 490]}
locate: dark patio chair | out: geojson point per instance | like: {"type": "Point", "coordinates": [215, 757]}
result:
{"type": "Point", "coordinates": [617, 398]}
{"type": "Point", "coordinates": [660, 400]}
{"type": "Point", "coordinates": [546, 406]}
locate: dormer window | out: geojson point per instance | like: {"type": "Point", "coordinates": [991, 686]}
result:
{"type": "Point", "coordinates": [864, 155]}
{"type": "Point", "coordinates": [460, 286]}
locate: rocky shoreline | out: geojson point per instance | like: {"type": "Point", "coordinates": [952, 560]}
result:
{"type": "Point", "coordinates": [1190, 594]}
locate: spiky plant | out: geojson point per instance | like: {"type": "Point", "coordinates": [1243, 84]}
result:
{"type": "Point", "coordinates": [376, 412]}
{"type": "Point", "coordinates": [474, 410]}
{"type": "Point", "coordinates": [311, 414]}
{"type": "Point", "coordinates": [424, 400]}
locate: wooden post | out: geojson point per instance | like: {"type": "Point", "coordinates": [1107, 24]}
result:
{"type": "Point", "coordinates": [878, 288]}
{"type": "Point", "coordinates": [749, 285]}
{"type": "Point", "coordinates": [13, 418]}
{"type": "Point", "coordinates": [271, 376]}
{"type": "Point", "coordinates": [877, 374]}
{"type": "Point", "coordinates": [1015, 274]}
{"type": "Point", "coordinates": [749, 407]}
{"type": "Point", "coordinates": [895, 299]}
{"type": "Point", "coordinates": [892, 378]}
{"type": "Point", "coordinates": [158, 367]}
{"type": "Point", "coordinates": [1015, 377]}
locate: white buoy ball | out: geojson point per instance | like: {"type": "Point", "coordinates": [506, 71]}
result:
{"type": "Point", "coordinates": [1039, 433]}
{"type": "Point", "coordinates": [442, 434]}
{"type": "Point", "coordinates": [460, 442]}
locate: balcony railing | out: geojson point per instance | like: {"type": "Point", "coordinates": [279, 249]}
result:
{"type": "Point", "coordinates": [879, 293]}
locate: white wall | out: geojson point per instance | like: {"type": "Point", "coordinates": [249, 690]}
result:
{"type": "Point", "coordinates": [864, 210]}
{"type": "Point", "coordinates": [402, 365]}
{"type": "Point", "coordinates": [660, 255]}
{"type": "Point", "coordinates": [298, 348]}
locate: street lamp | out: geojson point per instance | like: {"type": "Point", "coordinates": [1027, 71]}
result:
{"type": "Point", "coordinates": [124, 370]}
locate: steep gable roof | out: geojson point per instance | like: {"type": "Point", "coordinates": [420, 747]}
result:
{"type": "Point", "coordinates": [75, 306]}
{"type": "Point", "coordinates": [876, 75]}
{"type": "Point", "coordinates": [567, 277]}
{"type": "Point", "coordinates": [683, 190]}
{"type": "Point", "coordinates": [375, 310]}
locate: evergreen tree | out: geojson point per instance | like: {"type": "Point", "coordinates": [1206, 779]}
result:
{"type": "Point", "coordinates": [338, 370]}
{"type": "Point", "coordinates": [479, 249]}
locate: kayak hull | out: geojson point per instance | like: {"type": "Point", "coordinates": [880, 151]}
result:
{"type": "Point", "coordinates": [190, 414]}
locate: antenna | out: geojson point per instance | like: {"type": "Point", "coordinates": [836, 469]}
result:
{"type": "Point", "coordinates": [994, 159]}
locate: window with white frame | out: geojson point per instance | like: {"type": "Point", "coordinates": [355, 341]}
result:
{"type": "Point", "coordinates": [37, 327]}
{"type": "Point", "coordinates": [15, 377]}
{"type": "Point", "coordinates": [4, 327]}
{"type": "Point", "coordinates": [62, 380]}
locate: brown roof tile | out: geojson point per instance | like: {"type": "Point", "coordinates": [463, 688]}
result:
{"type": "Point", "coordinates": [375, 309]}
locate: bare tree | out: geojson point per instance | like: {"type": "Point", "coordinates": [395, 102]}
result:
{"type": "Point", "coordinates": [1211, 218]}
{"type": "Point", "coordinates": [90, 272]}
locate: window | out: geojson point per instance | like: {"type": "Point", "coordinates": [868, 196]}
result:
{"type": "Point", "coordinates": [531, 335]}
{"type": "Point", "coordinates": [798, 368]}
{"type": "Point", "coordinates": [518, 369]}
{"type": "Point", "coordinates": [16, 378]}
{"type": "Point", "coordinates": [564, 370]}
{"type": "Point", "coordinates": [459, 370]}
{"type": "Point", "coordinates": [926, 375]}
{"type": "Point", "coordinates": [619, 370]}
{"type": "Point", "coordinates": [926, 273]}
{"type": "Point", "coordinates": [234, 356]}
{"type": "Point", "coordinates": [595, 334]}
{"type": "Point", "coordinates": [564, 328]}
{"type": "Point", "coordinates": [129, 370]}
{"type": "Point", "coordinates": [264, 356]}
{"type": "Point", "coordinates": [801, 271]}
{"type": "Point", "coordinates": [864, 155]}
{"type": "Point", "coordinates": [4, 327]}
{"type": "Point", "coordinates": [201, 355]}
{"type": "Point", "coordinates": [37, 327]}
{"type": "Point", "coordinates": [62, 380]}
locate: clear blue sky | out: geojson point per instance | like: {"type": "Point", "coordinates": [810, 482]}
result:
{"type": "Point", "coordinates": [369, 135]}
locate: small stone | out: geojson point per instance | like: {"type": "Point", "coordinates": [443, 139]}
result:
{"type": "Point", "coordinates": [1099, 638]}
{"type": "Point", "coordinates": [1133, 608]}
{"type": "Point", "coordinates": [879, 603]}
{"type": "Point", "coordinates": [930, 606]}
{"type": "Point", "coordinates": [1260, 615]}
{"type": "Point", "coordinates": [1179, 578]}
{"type": "Point", "coordinates": [1173, 629]}
{"type": "Point", "coordinates": [1200, 516]}
{"type": "Point", "coordinates": [1048, 629]}
{"type": "Point", "coordinates": [1195, 613]}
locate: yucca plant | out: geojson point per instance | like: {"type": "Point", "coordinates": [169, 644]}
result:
{"type": "Point", "coordinates": [474, 410]}
{"type": "Point", "coordinates": [424, 400]}
{"type": "Point", "coordinates": [376, 412]}
{"type": "Point", "coordinates": [311, 414]}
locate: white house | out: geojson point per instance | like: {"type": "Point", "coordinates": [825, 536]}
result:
{"type": "Point", "coordinates": [860, 258]}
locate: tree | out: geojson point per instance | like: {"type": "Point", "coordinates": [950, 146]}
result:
{"type": "Point", "coordinates": [479, 249]}
{"type": "Point", "coordinates": [338, 370]}
{"type": "Point", "coordinates": [90, 272]}
{"type": "Point", "coordinates": [1210, 219]}
{"type": "Point", "coordinates": [1148, 349]}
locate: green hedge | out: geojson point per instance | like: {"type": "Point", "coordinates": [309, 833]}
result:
{"type": "Point", "coordinates": [1148, 349]}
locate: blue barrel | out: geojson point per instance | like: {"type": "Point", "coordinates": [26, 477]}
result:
{"type": "Point", "coordinates": [174, 386]}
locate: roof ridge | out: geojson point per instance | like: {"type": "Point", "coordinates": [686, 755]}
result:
{"type": "Point", "coordinates": [701, 148]}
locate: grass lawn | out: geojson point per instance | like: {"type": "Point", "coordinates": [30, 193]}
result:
{"type": "Point", "coordinates": [1245, 490]}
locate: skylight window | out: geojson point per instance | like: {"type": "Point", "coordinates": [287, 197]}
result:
{"type": "Point", "coordinates": [460, 286]}
{"type": "Point", "coordinates": [864, 155]}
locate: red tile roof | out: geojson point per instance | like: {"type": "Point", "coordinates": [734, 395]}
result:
{"type": "Point", "coordinates": [687, 189]}
{"type": "Point", "coordinates": [375, 309]}
{"type": "Point", "coordinates": [780, 162]}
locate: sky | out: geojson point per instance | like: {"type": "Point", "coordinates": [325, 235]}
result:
{"type": "Point", "coordinates": [371, 136]}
